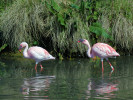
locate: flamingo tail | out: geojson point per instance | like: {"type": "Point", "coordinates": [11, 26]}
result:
{"type": "Point", "coordinates": [51, 57]}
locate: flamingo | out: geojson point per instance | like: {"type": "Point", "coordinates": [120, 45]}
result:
{"type": "Point", "coordinates": [102, 50]}
{"type": "Point", "coordinates": [36, 53]}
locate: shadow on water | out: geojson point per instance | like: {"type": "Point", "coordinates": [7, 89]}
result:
{"type": "Point", "coordinates": [76, 79]}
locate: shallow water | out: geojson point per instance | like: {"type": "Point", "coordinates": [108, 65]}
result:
{"type": "Point", "coordinates": [76, 79]}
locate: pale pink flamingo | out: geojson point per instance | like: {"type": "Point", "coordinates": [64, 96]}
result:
{"type": "Point", "coordinates": [36, 53]}
{"type": "Point", "coordinates": [102, 50]}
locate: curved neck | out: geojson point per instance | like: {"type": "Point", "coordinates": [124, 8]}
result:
{"type": "Point", "coordinates": [89, 50]}
{"type": "Point", "coordinates": [25, 52]}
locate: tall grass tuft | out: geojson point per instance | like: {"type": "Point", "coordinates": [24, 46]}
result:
{"type": "Point", "coordinates": [4, 4]}
{"type": "Point", "coordinates": [22, 21]}
{"type": "Point", "coordinates": [117, 18]}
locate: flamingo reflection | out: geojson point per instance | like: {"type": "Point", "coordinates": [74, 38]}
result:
{"type": "Point", "coordinates": [36, 84]}
{"type": "Point", "coordinates": [101, 89]}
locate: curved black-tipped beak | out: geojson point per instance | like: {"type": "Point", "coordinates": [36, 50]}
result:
{"type": "Point", "coordinates": [80, 40]}
{"type": "Point", "coordinates": [20, 49]}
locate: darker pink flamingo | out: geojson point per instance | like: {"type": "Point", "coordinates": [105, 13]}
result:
{"type": "Point", "coordinates": [102, 50]}
{"type": "Point", "coordinates": [36, 53]}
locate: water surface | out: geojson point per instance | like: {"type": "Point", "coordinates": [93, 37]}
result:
{"type": "Point", "coordinates": [78, 79]}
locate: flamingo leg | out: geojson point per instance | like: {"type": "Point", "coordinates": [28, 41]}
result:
{"type": "Point", "coordinates": [102, 65]}
{"type": "Point", "coordinates": [41, 67]}
{"type": "Point", "coordinates": [36, 67]}
{"type": "Point", "coordinates": [110, 65]}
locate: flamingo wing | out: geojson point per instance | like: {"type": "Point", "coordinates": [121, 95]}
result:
{"type": "Point", "coordinates": [104, 50]}
{"type": "Point", "coordinates": [38, 52]}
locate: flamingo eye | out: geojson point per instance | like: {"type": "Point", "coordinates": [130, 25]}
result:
{"type": "Point", "coordinates": [81, 40]}
{"type": "Point", "coordinates": [84, 41]}
{"type": "Point", "coordinates": [21, 45]}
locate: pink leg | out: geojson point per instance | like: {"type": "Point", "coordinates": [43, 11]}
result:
{"type": "Point", "coordinates": [110, 65]}
{"type": "Point", "coordinates": [102, 65]}
{"type": "Point", "coordinates": [36, 67]}
{"type": "Point", "coordinates": [102, 68]}
{"type": "Point", "coordinates": [41, 67]}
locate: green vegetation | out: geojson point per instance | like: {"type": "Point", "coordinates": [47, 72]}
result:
{"type": "Point", "coordinates": [4, 4]}
{"type": "Point", "coordinates": [117, 19]}
{"type": "Point", "coordinates": [3, 47]}
{"type": "Point", "coordinates": [57, 24]}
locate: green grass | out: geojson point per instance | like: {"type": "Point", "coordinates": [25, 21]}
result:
{"type": "Point", "coordinates": [29, 20]}
{"type": "Point", "coordinates": [117, 18]}
{"type": "Point", "coordinates": [58, 24]}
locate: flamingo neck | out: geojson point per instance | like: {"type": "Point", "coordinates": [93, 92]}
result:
{"type": "Point", "coordinates": [25, 52]}
{"type": "Point", "coordinates": [89, 50]}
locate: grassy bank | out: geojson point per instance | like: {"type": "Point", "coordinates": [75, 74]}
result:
{"type": "Point", "coordinates": [57, 25]}
{"type": "Point", "coordinates": [117, 18]}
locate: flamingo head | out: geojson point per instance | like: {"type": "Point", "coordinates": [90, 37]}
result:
{"type": "Point", "coordinates": [22, 45]}
{"type": "Point", "coordinates": [84, 41]}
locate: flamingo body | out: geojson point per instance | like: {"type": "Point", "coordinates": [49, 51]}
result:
{"type": "Point", "coordinates": [102, 50]}
{"type": "Point", "coordinates": [36, 53]}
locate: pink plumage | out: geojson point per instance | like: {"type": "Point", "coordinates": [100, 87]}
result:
{"type": "Point", "coordinates": [36, 53]}
{"type": "Point", "coordinates": [102, 50]}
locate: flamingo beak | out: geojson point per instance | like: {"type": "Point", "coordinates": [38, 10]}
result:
{"type": "Point", "coordinates": [78, 41]}
{"type": "Point", "coordinates": [20, 50]}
